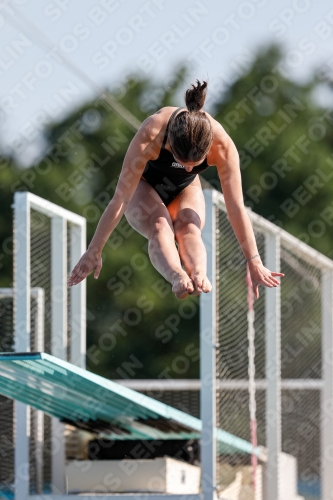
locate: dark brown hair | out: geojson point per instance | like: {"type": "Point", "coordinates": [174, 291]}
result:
{"type": "Point", "coordinates": [190, 132]}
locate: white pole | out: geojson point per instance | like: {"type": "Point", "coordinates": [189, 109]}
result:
{"type": "Point", "coordinates": [22, 337]}
{"type": "Point", "coordinates": [251, 372]}
{"type": "Point", "coordinates": [78, 300]}
{"type": "Point", "coordinates": [208, 355]}
{"type": "Point", "coordinates": [58, 338]}
{"type": "Point", "coordinates": [22, 273]}
{"type": "Point", "coordinates": [39, 460]}
{"type": "Point", "coordinates": [327, 391]}
{"type": "Point", "coordinates": [273, 372]}
{"type": "Point", "coordinates": [39, 295]}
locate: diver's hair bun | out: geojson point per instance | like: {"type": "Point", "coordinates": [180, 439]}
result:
{"type": "Point", "coordinates": [195, 97]}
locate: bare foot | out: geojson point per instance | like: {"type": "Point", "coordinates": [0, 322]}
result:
{"type": "Point", "coordinates": [201, 283]}
{"type": "Point", "coordinates": [182, 286]}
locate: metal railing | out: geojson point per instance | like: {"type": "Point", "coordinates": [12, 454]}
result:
{"type": "Point", "coordinates": [293, 360]}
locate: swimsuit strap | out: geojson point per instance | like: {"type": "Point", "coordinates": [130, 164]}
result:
{"type": "Point", "coordinates": [167, 128]}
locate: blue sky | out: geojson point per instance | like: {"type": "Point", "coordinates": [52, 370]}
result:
{"type": "Point", "coordinates": [108, 39]}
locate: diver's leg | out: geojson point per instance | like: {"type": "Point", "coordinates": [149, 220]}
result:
{"type": "Point", "coordinates": [187, 212]}
{"type": "Point", "coordinates": [148, 215]}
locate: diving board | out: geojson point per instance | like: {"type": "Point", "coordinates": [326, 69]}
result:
{"type": "Point", "coordinates": [93, 403]}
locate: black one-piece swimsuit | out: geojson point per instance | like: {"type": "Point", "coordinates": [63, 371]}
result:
{"type": "Point", "coordinates": [168, 177]}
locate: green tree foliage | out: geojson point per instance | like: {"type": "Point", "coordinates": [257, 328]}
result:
{"type": "Point", "coordinates": [284, 139]}
{"type": "Point", "coordinates": [9, 175]}
{"type": "Point", "coordinates": [136, 327]}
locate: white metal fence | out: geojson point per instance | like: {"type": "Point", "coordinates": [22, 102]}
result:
{"type": "Point", "coordinates": [48, 241]}
{"type": "Point", "coordinates": [294, 334]}
{"type": "Point", "coordinates": [293, 360]}
{"type": "Point", "coordinates": [7, 414]}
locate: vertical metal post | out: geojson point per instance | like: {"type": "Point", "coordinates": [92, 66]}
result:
{"type": "Point", "coordinates": [78, 300]}
{"type": "Point", "coordinates": [327, 391]}
{"type": "Point", "coordinates": [59, 286]}
{"type": "Point", "coordinates": [273, 372]}
{"type": "Point", "coordinates": [208, 355]}
{"type": "Point", "coordinates": [22, 290]}
{"type": "Point", "coordinates": [58, 338]}
{"type": "Point", "coordinates": [22, 336]}
{"type": "Point", "coordinates": [39, 295]}
{"type": "Point", "coordinates": [39, 459]}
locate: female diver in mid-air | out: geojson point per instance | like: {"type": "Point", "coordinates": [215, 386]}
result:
{"type": "Point", "coordinates": [160, 194]}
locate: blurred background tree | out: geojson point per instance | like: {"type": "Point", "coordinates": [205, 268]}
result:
{"type": "Point", "coordinates": [284, 137]}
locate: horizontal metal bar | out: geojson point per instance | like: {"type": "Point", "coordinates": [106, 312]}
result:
{"type": "Point", "coordinates": [195, 384]}
{"type": "Point", "coordinates": [161, 385]}
{"type": "Point", "coordinates": [299, 384]}
{"type": "Point", "coordinates": [133, 496]}
{"type": "Point", "coordinates": [301, 249]}
{"type": "Point", "coordinates": [302, 384]}
{"type": "Point", "coordinates": [35, 292]}
{"type": "Point", "coordinates": [47, 207]}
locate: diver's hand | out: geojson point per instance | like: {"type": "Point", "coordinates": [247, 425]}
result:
{"type": "Point", "coordinates": [89, 262]}
{"type": "Point", "coordinates": [260, 275]}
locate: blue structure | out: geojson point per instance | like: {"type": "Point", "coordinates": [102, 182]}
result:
{"type": "Point", "coordinates": [90, 402]}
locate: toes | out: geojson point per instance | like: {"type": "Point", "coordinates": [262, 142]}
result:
{"type": "Point", "coordinates": [196, 292]}
{"type": "Point", "coordinates": [202, 284]}
{"type": "Point", "coordinates": [198, 284]}
{"type": "Point", "coordinates": [181, 295]}
{"type": "Point", "coordinates": [182, 289]}
{"type": "Point", "coordinates": [196, 287]}
{"type": "Point", "coordinates": [206, 287]}
{"type": "Point", "coordinates": [186, 290]}
{"type": "Point", "coordinates": [184, 286]}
